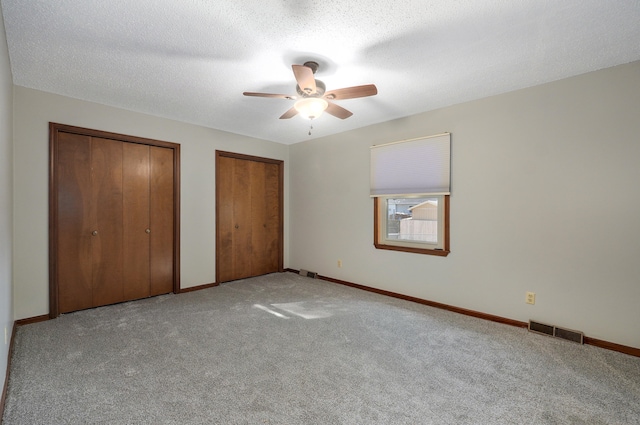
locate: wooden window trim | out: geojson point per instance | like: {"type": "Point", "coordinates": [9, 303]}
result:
{"type": "Point", "coordinates": [437, 252]}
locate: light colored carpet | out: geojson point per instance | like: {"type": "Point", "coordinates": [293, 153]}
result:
{"type": "Point", "coordinates": [283, 349]}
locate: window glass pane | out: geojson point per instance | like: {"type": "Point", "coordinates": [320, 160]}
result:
{"type": "Point", "coordinates": [412, 219]}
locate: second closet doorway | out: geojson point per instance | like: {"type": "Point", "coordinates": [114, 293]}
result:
{"type": "Point", "coordinates": [249, 216]}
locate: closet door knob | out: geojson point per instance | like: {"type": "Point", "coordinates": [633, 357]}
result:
{"type": "Point", "coordinates": [148, 230]}
{"type": "Point", "coordinates": [237, 227]}
{"type": "Point", "coordinates": [94, 233]}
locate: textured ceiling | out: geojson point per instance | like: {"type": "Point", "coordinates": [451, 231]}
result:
{"type": "Point", "coordinates": [190, 60]}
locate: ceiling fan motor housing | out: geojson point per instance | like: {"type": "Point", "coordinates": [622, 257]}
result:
{"type": "Point", "coordinates": [320, 89]}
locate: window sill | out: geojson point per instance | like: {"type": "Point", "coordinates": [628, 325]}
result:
{"type": "Point", "coordinates": [436, 252]}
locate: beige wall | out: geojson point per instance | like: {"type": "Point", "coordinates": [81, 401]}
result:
{"type": "Point", "coordinates": [527, 167]}
{"type": "Point", "coordinates": [33, 110]}
{"type": "Point", "coordinates": [6, 209]}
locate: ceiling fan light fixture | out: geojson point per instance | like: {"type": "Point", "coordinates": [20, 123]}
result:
{"type": "Point", "coordinates": [311, 107]}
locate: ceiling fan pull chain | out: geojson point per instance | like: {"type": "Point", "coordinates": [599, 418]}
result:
{"type": "Point", "coordinates": [310, 128]}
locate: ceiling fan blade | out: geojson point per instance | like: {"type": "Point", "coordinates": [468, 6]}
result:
{"type": "Point", "coordinates": [280, 96]}
{"type": "Point", "coordinates": [338, 111]}
{"type": "Point", "coordinates": [352, 92]}
{"type": "Point", "coordinates": [290, 113]}
{"type": "Point", "coordinates": [304, 78]}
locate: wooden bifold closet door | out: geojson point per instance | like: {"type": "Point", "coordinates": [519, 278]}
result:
{"type": "Point", "coordinates": [113, 218]}
{"type": "Point", "coordinates": [249, 202]}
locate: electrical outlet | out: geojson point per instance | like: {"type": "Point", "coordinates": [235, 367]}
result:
{"type": "Point", "coordinates": [339, 264]}
{"type": "Point", "coordinates": [530, 298]}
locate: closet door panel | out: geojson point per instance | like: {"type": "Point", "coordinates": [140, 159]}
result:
{"type": "Point", "coordinates": [242, 247]}
{"type": "Point", "coordinates": [224, 219]}
{"type": "Point", "coordinates": [265, 218]}
{"type": "Point", "coordinates": [273, 226]}
{"type": "Point", "coordinates": [234, 249]}
{"type": "Point", "coordinates": [107, 243]}
{"type": "Point", "coordinates": [161, 220]}
{"type": "Point", "coordinates": [135, 220]}
{"type": "Point", "coordinates": [258, 217]}
{"type": "Point", "coordinates": [75, 220]}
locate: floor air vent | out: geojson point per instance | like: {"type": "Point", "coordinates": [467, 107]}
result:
{"type": "Point", "coordinates": [307, 273]}
{"type": "Point", "coordinates": [540, 328]}
{"type": "Point", "coordinates": [569, 335]}
{"type": "Point", "coordinates": [552, 330]}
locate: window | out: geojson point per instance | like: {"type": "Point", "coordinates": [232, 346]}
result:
{"type": "Point", "coordinates": [410, 186]}
{"type": "Point", "coordinates": [412, 224]}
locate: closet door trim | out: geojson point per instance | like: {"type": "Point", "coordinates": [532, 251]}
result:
{"type": "Point", "coordinates": [54, 130]}
{"type": "Point", "coordinates": [280, 165]}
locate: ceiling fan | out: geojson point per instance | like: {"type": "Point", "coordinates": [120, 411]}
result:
{"type": "Point", "coordinates": [313, 99]}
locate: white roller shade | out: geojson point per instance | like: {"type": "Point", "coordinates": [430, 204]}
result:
{"type": "Point", "coordinates": [412, 167]}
